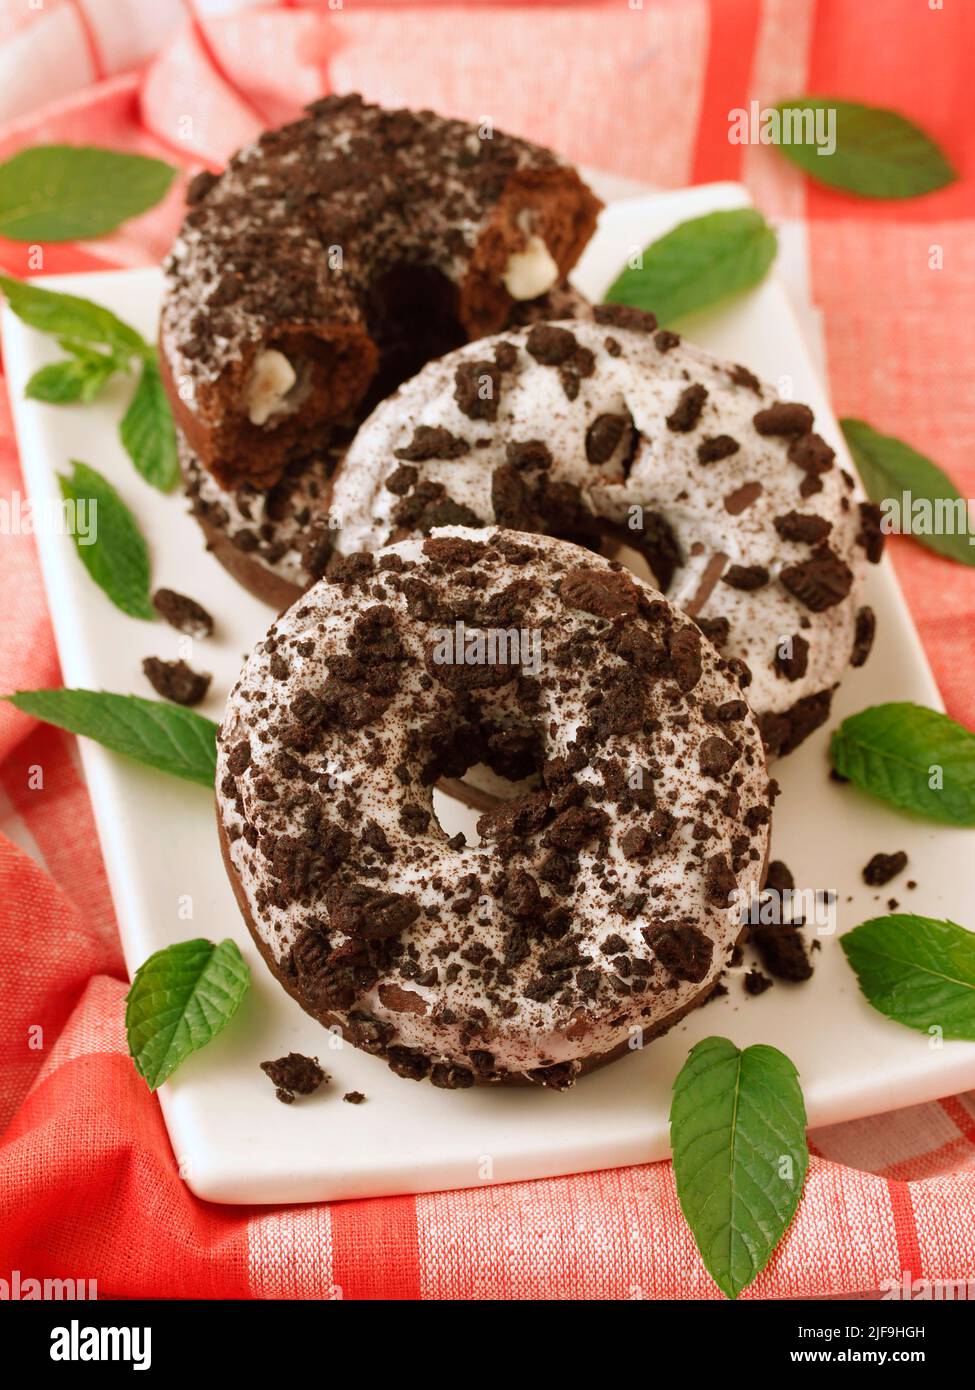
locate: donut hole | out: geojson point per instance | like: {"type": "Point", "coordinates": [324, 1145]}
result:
{"type": "Point", "coordinates": [412, 316]}
{"type": "Point", "coordinates": [490, 761]}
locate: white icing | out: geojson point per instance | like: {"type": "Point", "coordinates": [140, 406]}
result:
{"type": "Point", "coordinates": [272, 378]}
{"type": "Point", "coordinates": [530, 272]}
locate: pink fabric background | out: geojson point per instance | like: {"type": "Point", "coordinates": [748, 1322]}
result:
{"type": "Point", "coordinates": [642, 92]}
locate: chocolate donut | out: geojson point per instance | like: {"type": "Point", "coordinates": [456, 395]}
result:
{"type": "Point", "coordinates": [338, 254]}
{"type": "Point", "coordinates": [276, 542]}
{"type": "Point", "coordinates": [596, 910]}
{"type": "Point", "coordinates": [616, 436]}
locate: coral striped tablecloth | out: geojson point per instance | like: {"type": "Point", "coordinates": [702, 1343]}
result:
{"type": "Point", "coordinates": [89, 1186]}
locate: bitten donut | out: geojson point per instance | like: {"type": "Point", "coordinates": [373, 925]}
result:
{"type": "Point", "coordinates": [611, 434]}
{"type": "Point", "coordinates": [276, 541]}
{"type": "Point", "coordinates": [595, 911]}
{"type": "Point", "coordinates": [349, 246]}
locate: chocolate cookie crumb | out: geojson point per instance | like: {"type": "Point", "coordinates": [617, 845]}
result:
{"type": "Point", "coordinates": [883, 867]}
{"type": "Point", "coordinates": [784, 418]}
{"type": "Point", "coordinates": [863, 635]}
{"type": "Point", "coordinates": [686, 413]}
{"type": "Point", "coordinates": [294, 1075]}
{"type": "Point", "coordinates": [354, 1097]}
{"type": "Point", "coordinates": [183, 613]}
{"type": "Point", "coordinates": [755, 982]}
{"type": "Point", "coordinates": [176, 681]}
{"type": "Point", "coordinates": [783, 951]}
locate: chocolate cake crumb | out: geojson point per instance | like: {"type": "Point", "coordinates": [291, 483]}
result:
{"type": "Point", "coordinates": [354, 1097]}
{"type": "Point", "coordinates": [183, 613]}
{"type": "Point", "coordinates": [755, 982]}
{"type": "Point", "coordinates": [176, 681]}
{"type": "Point", "coordinates": [294, 1075]}
{"type": "Point", "coordinates": [883, 867]}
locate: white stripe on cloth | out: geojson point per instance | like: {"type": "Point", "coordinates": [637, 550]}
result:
{"type": "Point", "coordinates": [290, 1254]}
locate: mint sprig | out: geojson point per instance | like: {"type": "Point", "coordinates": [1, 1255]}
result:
{"type": "Point", "coordinates": [738, 1134]}
{"type": "Point", "coordinates": [168, 737]}
{"type": "Point", "coordinates": [890, 468]}
{"type": "Point", "coordinates": [70, 316]}
{"type": "Point", "coordinates": [148, 433]}
{"type": "Point", "coordinates": [114, 552]}
{"type": "Point", "coordinates": [69, 192]}
{"type": "Point", "coordinates": [917, 971]}
{"type": "Point", "coordinates": [912, 757]}
{"type": "Point", "coordinates": [181, 998]}
{"type": "Point", "coordinates": [100, 344]}
{"type": "Point", "coordinates": [700, 263]}
{"type": "Point", "coordinates": [879, 153]}
{"type": "Point", "coordinates": [79, 377]}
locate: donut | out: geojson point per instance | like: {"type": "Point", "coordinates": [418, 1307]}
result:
{"type": "Point", "coordinates": [276, 541]}
{"type": "Point", "coordinates": [596, 909]}
{"type": "Point", "coordinates": [627, 440]}
{"type": "Point", "coordinates": [343, 249]}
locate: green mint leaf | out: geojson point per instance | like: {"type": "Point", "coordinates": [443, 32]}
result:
{"type": "Point", "coordinates": [148, 433]}
{"type": "Point", "coordinates": [917, 971]}
{"type": "Point", "coordinates": [699, 263]}
{"type": "Point", "coordinates": [912, 757]}
{"type": "Point", "coordinates": [70, 316]}
{"type": "Point", "coordinates": [168, 737]}
{"type": "Point", "coordinates": [108, 541]}
{"type": "Point", "coordinates": [878, 154]}
{"type": "Point", "coordinates": [180, 999]}
{"type": "Point", "coordinates": [69, 192]}
{"type": "Point", "coordinates": [890, 468]}
{"type": "Point", "coordinates": [75, 379]}
{"type": "Point", "coordinates": [738, 1133]}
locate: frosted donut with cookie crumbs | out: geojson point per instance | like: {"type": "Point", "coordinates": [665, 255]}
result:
{"type": "Point", "coordinates": [597, 908]}
{"type": "Point", "coordinates": [615, 435]}
{"type": "Point", "coordinates": [342, 251]}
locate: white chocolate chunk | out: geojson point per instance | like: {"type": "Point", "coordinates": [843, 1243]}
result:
{"type": "Point", "coordinates": [271, 380]}
{"type": "Point", "coordinates": [531, 272]}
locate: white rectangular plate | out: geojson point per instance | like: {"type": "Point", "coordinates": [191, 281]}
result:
{"type": "Point", "coordinates": [233, 1141]}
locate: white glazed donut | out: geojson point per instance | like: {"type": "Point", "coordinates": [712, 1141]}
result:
{"type": "Point", "coordinates": [596, 910]}
{"type": "Point", "coordinates": [608, 431]}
